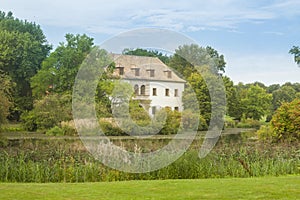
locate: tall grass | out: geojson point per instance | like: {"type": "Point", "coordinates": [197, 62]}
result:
{"type": "Point", "coordinates": [64, 161]}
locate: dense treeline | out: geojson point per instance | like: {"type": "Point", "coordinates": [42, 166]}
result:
{"type": "Point", "coordinates": [36, 85]}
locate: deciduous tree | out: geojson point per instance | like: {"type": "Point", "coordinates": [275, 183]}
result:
{"type": "Point", "coordinates": [23, 47]}
{"type": "Point", "coordinates": [286, 121]}
{"type": "Point", "coordinates": [60, 68]}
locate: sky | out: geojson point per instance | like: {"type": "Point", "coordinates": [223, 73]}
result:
{"type": "Point", "coordinates": [255, 36]}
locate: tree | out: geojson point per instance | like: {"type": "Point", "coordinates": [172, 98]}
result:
{"type": "Point", "coordinates": [5, 97]}
{"type": "Point", "coordinates": [233, 108]}
{"type": "Point", "coordinates": [188, 56]}
{"type": "Point", "coordinates": [219, 59]}
{"type": "Point", "coordinates": [150, 53]}
{"type": "Point", "coordinates": [283, 94]}
{"type": "Point", "coordinates": [256, 103]}
{"type": "Point", "coordinates": [296, 52]}
{"type": "Point", "coordinates": [23, 47]}
{"type": "Point", "coordinates": [48, 112]}
{"type": "Point", "coordinates": [197, 90]}
{"type": "Point", "coordinates": [272, 88]}
{"type": "Point", "coordinates": [201, 67]}
{"type": "Point", "coordinates": [286, 121]}
{"type": "Point", "coordinates": [59, 70]}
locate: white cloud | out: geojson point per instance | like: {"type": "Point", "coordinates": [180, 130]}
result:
{"type": "Point", "coordinates": [112, 16]}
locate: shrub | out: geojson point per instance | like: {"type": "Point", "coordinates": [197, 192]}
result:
{"type": "Point", "coordinates": [190, 120]}
{"type": "Point", "coordinates": [265, 133]}
{"type": "Point", "coordinates": [55, 131]}
{"type": "Point", "coordinates": [68, 128]}
{"type": "Point", "coordinates": [229, 122]}
{"type": "Point", "coordinates": [29, 121]}
{"type": "Point", "coordinates": [249, 123]}
{"type": "Point", "coordinates": [110, 129]}
{"type": "Point", "coordinates": [286, 121]}
{"type": "Point", "coordinates": [172, 121]}
{"type": "Point", "coordinates": [48, 112]}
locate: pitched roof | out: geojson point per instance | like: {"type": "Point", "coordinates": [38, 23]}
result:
{"type": "Point", "coordinates": [144, 65]}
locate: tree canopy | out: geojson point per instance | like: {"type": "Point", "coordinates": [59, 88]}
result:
{"type": "Point", "coordinates": [23, 47]}
{"type": "Point", "coordinates": [286, 121]}
{"type": "Point", "coordinates": [296, 52]}
{"type": "Point", "coordinates": [5, 96]}
{"type": "Point", "coordinates": [59, 70]}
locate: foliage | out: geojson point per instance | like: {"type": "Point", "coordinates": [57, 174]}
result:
{"type": "Point", "coordinates": [59, 70]}
{"type": "Point", "coordinates": [41, 160]}
{"type": "Point", "coordinates": [198, 90]}
{"type": "Point", "coordinates": [272, 88]}
{"type": "Point", "coordinates": [48, 112]}
{"type": "Point", "coordinates": [283, 94]}
{"type": "Point", "coordinates": [188, 56]}
{"type": "Point", "coordinates": [296, 52]}
{"type": "Point", "coordinates": [229, 122]}
{"type": "Point", "coordinates": [55, 131]}
{"type": "Point", "coordinates": [5, 97]}
{"type": "Point", "coordinates": [249, 123]}
{"type": "Point", "coordinates": [144, 52]}
{"type": "Point", "coordinates": [172, 121]}
{"type": "Point", "coordinates": [256, 103]}
{"type": "Point", "coordinates": [192, 121]}
{"type": "Point", "coordinates": [286, 121]}
{"type": "Point", "coordinates": [23, 47]}
{"type": "Point", "coordinates": [68, 128]}
{"type": "Point", "coordinates": [110, 128]}
{"type": "Point", "coordinates": [233, 106]}
{"type": "Point", "coordinates": [265, 133]}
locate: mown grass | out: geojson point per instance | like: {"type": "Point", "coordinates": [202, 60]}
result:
{"type": "Point", "coordinates": [245, 188]}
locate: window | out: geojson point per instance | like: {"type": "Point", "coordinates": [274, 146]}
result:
{"type": "Point", "coordinates": [152, 73]}
{"type": "Point", "coordinates": [143, 90]}
{"type": "Point", "coordinates": [169, 74]}
{"type": "Point", "coordinates": [176, 108]}
{"type": "Point", "coordinates": [167, 92]}
{"type": "Point", "coordinates": [154, 92]}
{"type": "Point", "coordinates": [121, 71]}
{"type": "Point", "coordinates": [176, 93]}
{"type": "Point", "coordinates": [137, 72]}
{"type": "Point", "coordinates": [136, 90]}
{"type": "Point", "coordinates": [153, 110]}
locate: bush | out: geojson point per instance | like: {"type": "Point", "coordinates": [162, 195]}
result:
{"type": "Point", "coordinates": [29, 121]}
{"type": "Point", "coordinates": [172, 122]}
{"type": "Point", "coordinates": [265, 133]}
{"type": "Point", "coordinates": [286, 121]}
{"type": "Point", "coordinates": [192, 121]}
{"type": "Point", "coordinates": [55, 131]}
{"type": "Point", "coordinates": [48, 112]}
{"type": "Point", "coordinates": [229, 122]}
{"type": "Point", "coordinates": [110, 129]}
{"type": "Point", "coordinates": [68, 128]}
{"type": "Point", "coordinates": [249, 123]}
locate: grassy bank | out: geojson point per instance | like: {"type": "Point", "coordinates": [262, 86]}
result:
{"type": "Point", "coordinates": [66, 160]}
{"type": "Point", "coordinates": [246, 188]}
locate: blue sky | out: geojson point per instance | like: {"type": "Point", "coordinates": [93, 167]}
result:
{"type": "Point", "coordinates": [254, 36]}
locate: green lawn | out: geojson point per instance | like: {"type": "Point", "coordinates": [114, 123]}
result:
{"type": "Point", "coordinates": [247, 188]}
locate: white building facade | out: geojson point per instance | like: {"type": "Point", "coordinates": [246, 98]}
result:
{"type": "Point", "coordinates": [151, 80]}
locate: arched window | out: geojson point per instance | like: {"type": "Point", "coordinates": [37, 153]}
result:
{"type": "Point", "coordinates": [143, 90]}
{"type": "Point", "coordinates": [136, 90]}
